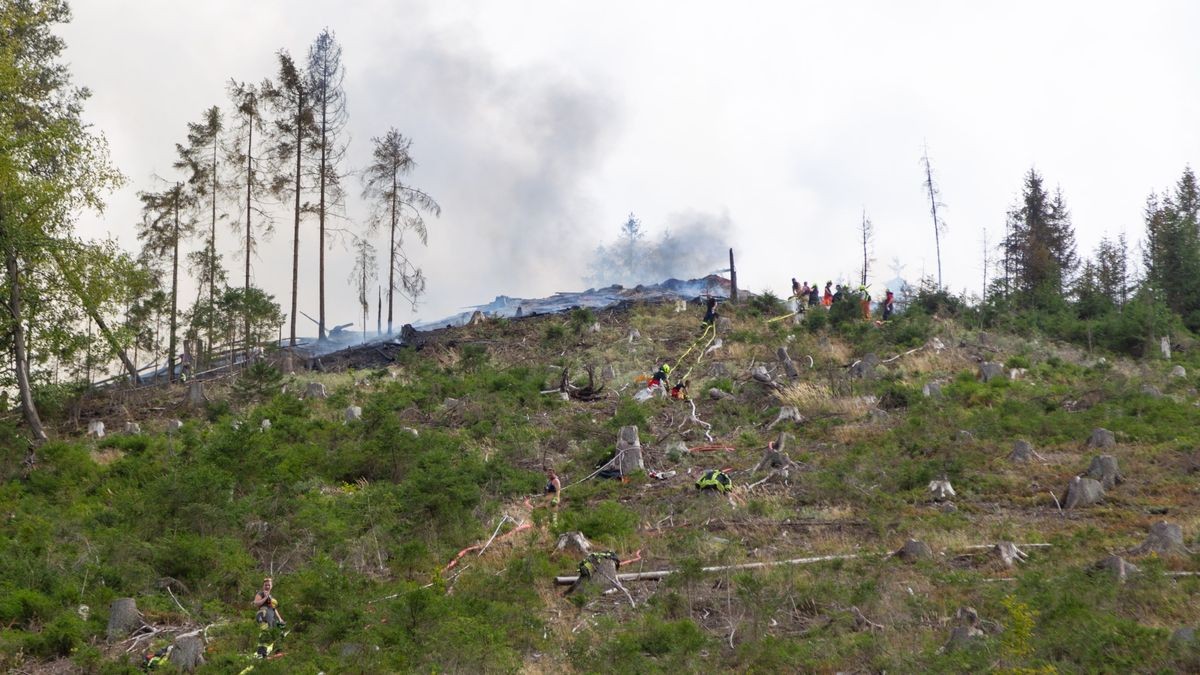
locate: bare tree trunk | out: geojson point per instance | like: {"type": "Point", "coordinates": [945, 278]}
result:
{"type": "Point", "coordinates": [296, 226]}
{"type": "Point", "coordinates": [931, 189]}
{"type": "Point", "coordinates": [212, 259]}
{"type": "Point", "coordinates": [20, 355]}
{"type": "Point", "coordinates": [174, 295]}
{"type": "Point", "coordinates": [733, 296]}
{"type": "Point", "coordinates": [249, 241]}
{"type": "Point", "coordinates": [392, 250]}
{"type": "Point", "coordinates": [321, 216]}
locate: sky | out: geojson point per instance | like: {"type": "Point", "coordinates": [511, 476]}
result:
{"type": "Point", "coordinates": [539, 126]}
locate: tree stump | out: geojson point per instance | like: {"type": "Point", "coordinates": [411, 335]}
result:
{"type": "Point", "coordinates": [608, 373]}
{"type": "Point", "coordinates": [1165, 538]}
{"type": "Point", "coordinates": [353, 414]}
{"type": "Point", "coordinates": [1022, 452]}
{"type": "Point", "coordinates": [718, 369]}
{"type": "Point", "coordinates": [967, 629]}
{"type": "Point", "coordinates": [173, 426]}
{"type": "Point", "coordinates": [188, 652]}
{"type": "Point", "coordinates": [264, 425]}
{"type": "Point", "coordinates": [1101, 438]}
{"type": "Point", "coordinates": [96, 428]}
{"type": "Point", "coordinates": [133, 428]}
{"type": "Point", "coordinates": [724, 325]}
{"type": "Point", "coordinates": [760, 374]}
{"type": "Point", "coordinates": [1118, 566]}
{"type": "Point", "coordinates": [1009, 554]}
{"type": "Point", "coordinates": [574, 543]}
{"type": "Point", "coordinates": [787, 413]}
{"type": "Point", "coordinates": [604, 578]}
{"type": "Point", "coordinates": [634, 335]}
{"type": "Point", "coordinates": [315, 390]}
{"type": "Point", "coordinates": [1104, 469]}
{"type": "Point", "coordinates": [289, 364]}
{"type": "Point", "coordinates": [775, 457]}
{"type": "Point", "coordinates": [1151, 391]}
{"type": "Point", "coordinates": [476, 319]}
{"type": "Point", "coordinates": [195, 395]}
{"type": "Point", "coordinates": [123, 618]}
{"type": "Point", "coordinates": [1164, 345]}
{"type": "Point", "coordinates": [1179, 372]}
{"type": "Point", "coordinates": [628, 459]}
{"type": "Point", "coordinates": [718, 395]}
{"type": "Point", "coordinates": [932, 390]}
{"type": "Point", "coordinates": [989, 370]}
{"type": "Point", "coordinates": [864, 368]}
{"type": "Point", "coordinates": [789, 366]}
{"type": "Point", "coordinates": [1083, 492]}
{"type": "Point", "coordinates": [913, 551]}
{"type": "Point", "coordinates": [940, 490]}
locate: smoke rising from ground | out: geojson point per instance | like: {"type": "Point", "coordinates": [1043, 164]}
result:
{"type": "Point", "coordinates": [691, 245]}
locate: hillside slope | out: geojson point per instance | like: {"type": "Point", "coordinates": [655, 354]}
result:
{"type": "Point", "coordinates": [362, 522]}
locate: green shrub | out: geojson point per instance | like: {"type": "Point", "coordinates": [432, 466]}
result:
{"type": "Point", "coordinates": [607, 520]}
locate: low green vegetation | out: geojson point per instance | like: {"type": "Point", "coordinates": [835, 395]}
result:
{"type": "Point", "coordinates": [359, 521]}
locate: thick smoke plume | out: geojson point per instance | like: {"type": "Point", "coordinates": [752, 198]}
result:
{"type": "Point", "coordinates": [693, 244]}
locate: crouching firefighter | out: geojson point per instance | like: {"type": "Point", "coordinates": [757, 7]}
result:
{"type": "Point", "coordinates": [659, 378]}
{"type": "Point", "coordinates": [715, 479]}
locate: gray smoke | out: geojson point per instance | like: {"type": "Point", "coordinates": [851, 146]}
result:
{"type": "Point", "coordinates": [692, 244]}
{"type": "Point", "coordinates": [506, 152]}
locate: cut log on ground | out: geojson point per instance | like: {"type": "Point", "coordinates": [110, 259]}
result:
{"type": "Point", "coordinates": [662, 574]}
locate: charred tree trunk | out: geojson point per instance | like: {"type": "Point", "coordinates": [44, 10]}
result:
{"type": "Point", "coordinates": [733, 293]}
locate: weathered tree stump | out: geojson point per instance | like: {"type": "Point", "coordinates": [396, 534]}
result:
{"type": "Point", "coordinates": [760, 374]}
{"type": "Point", "coordinates": [932, 390]}
{"type": "Point", "coordinates": [608, 373]}
{"type": "Point", "coordinates": [1164, 345]}
{"type": "Point", "coordinates": [789, 366]}
{"type": "Point", "coordinates": [1009, 554]}
{"type": "Point", "coordinates": [775, 458]}
{"type": "Point", "coordinates": [195, 395]}
{"type": "Point", "coordinates": [634, 335]}
{"type": "Point", "coordinates": [1101, 438]}
{"type": "Point", "coordinates": [574, 543]}
{"type": "Point", "coordinates": [1164, 539]}
{"type": "Point", "coordinates": [315, 390]}
{"type": "Point", "coordinates": [264, 425]}
{"type": "Point", "coordinates": [913, 551]}
{"type": "Point", "coordinates": [353, 414]}
{"type": "Point", "coordinates": [940, 490]}
{"type": "Point", "coordinates": [724, 325]}
{"type": "Point", "coordinates": [1022, 452]}
{"type": "Point", "coordinates": [188, 652]}
{"type": "Point", "coordinates": [123, 618]}
{"type": "Point", "coordinates": [966, 630]}
{"type": "Point", "coordinates": [787, 413]}
{"type": "Point", "coordinates": [173, 426]}
{"type": "Point", "coordinates": [990, 370]}
{"type": "Point", "coordinates": [1118, 567]}
{"type": "Point", "coordinates": [1104, 469]}
{"type": "Point", "coordinates": [1179, 372]}
{"type": "Point", "coordinates": [718, 369]}
{"type": "Point", "coordinates": [96, 428]}
{"type": "Point", "coordinates": [718, 394]}
{"type": "Point", "coordinates": [1083, 491]}
{"type": "Point", "coordinates": [477, 318]}
{"type": "Point", "coordinates": [628, 459]}
{"type": "Point", "coordinates": [133, 428]}
{"type": "Point", "coordinates": [864, 368]}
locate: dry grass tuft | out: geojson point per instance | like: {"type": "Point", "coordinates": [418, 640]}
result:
{"type": "Point", "coordinates": [816, 398]}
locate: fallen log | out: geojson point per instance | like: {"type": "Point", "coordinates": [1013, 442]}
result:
{"type": "Point", "coordinates": [662, 574]}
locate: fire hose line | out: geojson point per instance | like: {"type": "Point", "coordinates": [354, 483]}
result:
{"type": "Point", "coordinates": [699, 356]}
{"type": "Point", "coordinates": [707, 328]}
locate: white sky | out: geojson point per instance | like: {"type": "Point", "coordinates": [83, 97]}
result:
{"type": "Point", "coordinates": [540, 125]}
